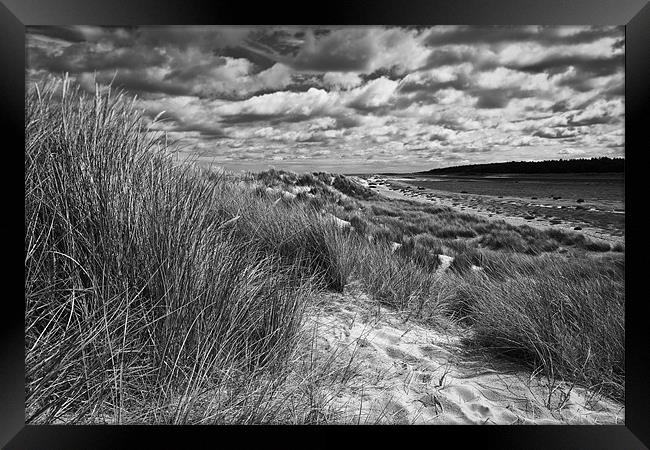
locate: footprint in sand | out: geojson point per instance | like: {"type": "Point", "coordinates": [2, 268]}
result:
{"type": "Point", "coordinates": [386, 337]}
{"type": "Point", "coordinates": [464, 393]}
{"type": "Point", "coordinates": [396, 353]}
{"type": "Point", "coordinates": [497, 415]}
{"type": "Point", "coordinates": [480, 409]}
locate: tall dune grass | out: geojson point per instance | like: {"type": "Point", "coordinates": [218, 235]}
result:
{"type": "Point", "coordinates": [561, 316]}
{"type": "Point", "coordinates": [148, 284]}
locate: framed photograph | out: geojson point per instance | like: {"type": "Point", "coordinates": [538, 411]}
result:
{"type": "Point", "coordinates": [359, 217]}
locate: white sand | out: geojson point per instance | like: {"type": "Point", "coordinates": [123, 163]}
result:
{"type": "Point", "coordinates": [445, 262]}
{"type": "Point", "coordinates": [406, 373]}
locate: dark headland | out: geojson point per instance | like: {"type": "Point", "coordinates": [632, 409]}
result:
{"type": "Point", "coordinates": [592, 165]}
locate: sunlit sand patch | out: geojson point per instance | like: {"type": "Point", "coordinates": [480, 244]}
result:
{"type": "Point", "coordinates": [407, 373]}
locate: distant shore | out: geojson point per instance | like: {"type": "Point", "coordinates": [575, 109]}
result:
{"type": "Point", "coordinates": [602, 218]}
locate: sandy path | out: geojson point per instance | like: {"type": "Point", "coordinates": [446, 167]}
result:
{"type": "Point", "coordinates": [407, 373]}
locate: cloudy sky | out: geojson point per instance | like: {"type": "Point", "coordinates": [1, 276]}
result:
{"type": "Point", "coordinates": [358, 99]}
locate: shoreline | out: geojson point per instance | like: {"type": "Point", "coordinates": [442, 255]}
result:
{"type": "Point", "coordinates": [457, 202]}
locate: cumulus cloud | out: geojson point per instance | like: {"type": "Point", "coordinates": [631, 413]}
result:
{"type": "Point", "coordinates": [373, 94]}
{"type": "Point", "coordinates": [599, 112]}
{"type": "Point", "coordinates": [290, 106]}
{"type": "Point", "coordinates": [556, 133]}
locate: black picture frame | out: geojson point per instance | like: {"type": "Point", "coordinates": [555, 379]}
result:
{"type": "Point", "coordinates": [634, 14]}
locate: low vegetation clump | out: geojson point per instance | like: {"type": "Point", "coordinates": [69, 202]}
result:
{"type": "Point", "coordinates": [564, 317]}
{"type": "Point", "coordinates": [399, 220]}
{"type": "Point", "coordinates": [398, 280]}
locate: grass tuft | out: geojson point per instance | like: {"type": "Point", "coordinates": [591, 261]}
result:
{"type": "Point", "coordinates": [146, 281]}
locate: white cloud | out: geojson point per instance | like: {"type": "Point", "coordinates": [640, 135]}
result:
{"type": "Point", "coordinates": [375, 93]}
{"type": "Point", "coordinates": [503, 77]}
{"type": "Point", "coordinates": [283, 103]}
{"type": "Point", "coordinates": [449, 96]}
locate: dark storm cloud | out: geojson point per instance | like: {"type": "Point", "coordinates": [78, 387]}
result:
{"type": "Point", "coordinates": [139, 83]}
{"type": "Point", "coordinates": [145, 69]}
{"type": "Point", "coordinates": [116, 36]}
{"type": "Point", "coordinates": [560, 106]}
{"type": "Point", "coordinates": [344, 49]}
{"type": "Point", "coordinates": [173, 122]}
{"type": "Point", "coordinates": [499, 98]}
{"type": "Point", "coordinates": [179, 37]}
{"type": "Point", "coordinates": [461, 82]}
{"type": "Point", "coordinates": [190, 73]}
{"type": "Point", "coordinates": [315, 138]}
{"type": "Point", "coordinates": [376, 110]}
{"type": "Point", "coordinates": [544, 35]}
{"type": "Point", "coordinates": [589, 66]}
{"type": "Point", "coordinates": [262, 62]}
{"type": "Point", "coordinates": [205, 130]}
{"type": "Point", "coordinates": [76, 59]}
{"type": "Point", "coordinates": [583, 79]}
{"type": "Point", "coordinates": [437, 137]}
{"type": "Point", "coordinates": [206, 38]}
{"type": "Point", "coordinates": [606, 118]}
{"type": "Point", "coordinates": [347, 122]}
{"type": "Point", "coordinates": [293, 86]}
{"type": "Point", "coordinates": [279, 41]}
{"type": "Point", "coordinates": [619, 44]}
{"type": "Point", "coordinates": [236, 119]}
{"type": "Point", "coordinates": [455, 55]}
{"type": "Point", "coordinates": [492, 99]}
{"type": "Point", "coordinates": [69, 34]}
{"type": "Point", "coordinates": [486, 98]}
{"type": "Point", "coordinates": [339, 122]}
{"type": "Point", "coordinates": [273, 119]}
{"type": "Point", "coordinates": [335, 52]}
{"type": "Point", "coordinates": [446, 57]}
{"type": "Point", "coordinates": [615, 90]}
{"type": "Point", "coordinates": [452, 157]}
{"type": "Point", "coordinates": [392, 73]}
{"type": "Point", "coordinates": [302, 82]}
{"type": "Point", "coordinates": [578, 82]}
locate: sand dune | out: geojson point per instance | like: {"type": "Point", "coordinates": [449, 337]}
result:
{"type": "Point", "coordinates": [406, 373]}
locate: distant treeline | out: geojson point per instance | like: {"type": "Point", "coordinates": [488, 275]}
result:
{"type": "Point", "coordinates": [596, 165]}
